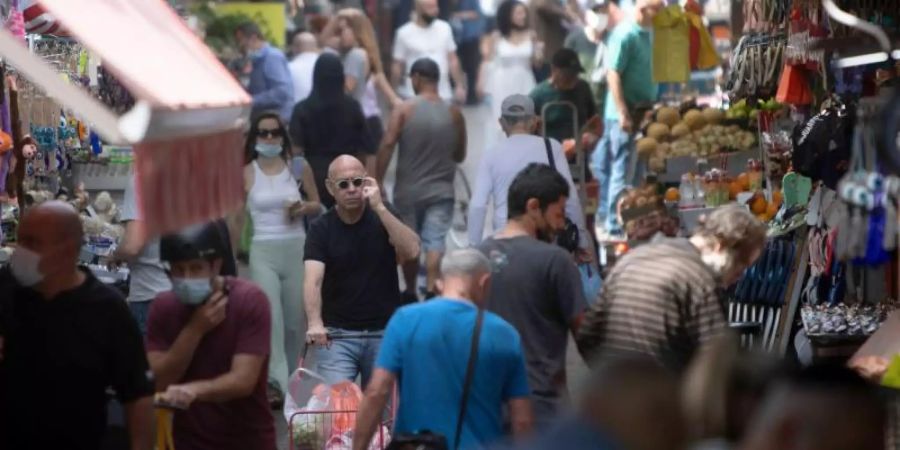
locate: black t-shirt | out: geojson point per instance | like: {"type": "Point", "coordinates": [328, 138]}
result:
{"type": "Point", "coordinates": [326, 133]}
{"type": "Point", "coordinates": [59, 358]}
{"type": "Point", "coordinates": [361, 289]}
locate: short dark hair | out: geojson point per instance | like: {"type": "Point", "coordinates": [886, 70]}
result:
{"type": "Point", "coordinates": [426, 68]}
{"type": "Point", "coordinates": [515, 120]}
{"type": "Point", "coordinates": [538, 181]}
{"type": "Point", "coordinates": [504, 16]}
{"type": "Point", "coordinates": [249, 28]}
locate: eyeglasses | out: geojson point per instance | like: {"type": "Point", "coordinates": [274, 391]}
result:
{"type": "Point", "coordinates": [345, 184]}
{"type": "Point", "coordinates": [270, 133]}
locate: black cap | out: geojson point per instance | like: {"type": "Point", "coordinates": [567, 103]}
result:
{"type": "Point", "coordinates": [567, 59]}
{"type": "Point", "coordinates": [203, 241]}
{"type": "Point", "coordinates": [426, 68]}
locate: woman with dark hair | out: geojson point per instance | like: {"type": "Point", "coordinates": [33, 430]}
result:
{"type": "Point", "coordinates": [276, 210]}
{"type": "Point", "coordinates": [329, 123]}
{"type": "Point", "coordinates": [509, 55]}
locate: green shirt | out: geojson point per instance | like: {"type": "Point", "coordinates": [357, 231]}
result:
{"type": "Point", "coordinates": [630, 53]}
{"type": "Point", "coordinates": [558, 118]}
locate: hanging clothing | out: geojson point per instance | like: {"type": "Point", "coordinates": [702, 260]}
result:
{"type": "Point", "coordinates": [703, 55]}
{"type": "Point", "coordinates": [671, 46]}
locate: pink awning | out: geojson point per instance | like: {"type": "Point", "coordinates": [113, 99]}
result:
{"type": "Point", "coordinates": [189, 110]}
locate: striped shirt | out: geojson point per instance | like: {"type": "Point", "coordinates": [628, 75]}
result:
{"type": "Point", "coordinates": [661, 301]}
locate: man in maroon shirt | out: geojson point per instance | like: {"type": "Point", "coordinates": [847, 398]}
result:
{"type": "Point", "coordinates": [208, 346]}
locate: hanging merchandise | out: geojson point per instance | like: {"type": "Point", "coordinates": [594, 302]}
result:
{"type": "Point", "coordinates": [39, 21]}
{"type": "Point", "coordinates": [703, 55]}
{"type": "Point", "coordinates": [793, 88]}
{"type": "Point", "coordinates": [671, 45]}
{"type": "Point", "coordinates": [756, 66]}
{"type": "Point", "coordinates": [822, 145]}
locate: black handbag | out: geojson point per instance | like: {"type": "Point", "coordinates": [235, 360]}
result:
{"type": "Point", "coordinates": [569, 238]}
{"type": "Point", "coordinates": [428, 440]}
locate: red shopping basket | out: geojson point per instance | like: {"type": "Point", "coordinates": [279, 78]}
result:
{"type": "Point", "coordinates": [322, 416]}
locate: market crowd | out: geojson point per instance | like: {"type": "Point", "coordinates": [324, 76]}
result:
{"type": "Point", "coordinates": [477, 354]}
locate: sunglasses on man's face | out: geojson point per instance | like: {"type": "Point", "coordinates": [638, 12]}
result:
{"type": "Point", "coordinates": [345, 184]}
{"type": "Point", "coordinates": [270, 133]}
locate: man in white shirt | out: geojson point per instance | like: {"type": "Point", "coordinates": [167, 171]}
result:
{"type": "Point", "coordinates": [499, 166]}
{"type": "Point", "coordinates": [306, 51]}
{"type": "Point", "coordinates": [427, 37]}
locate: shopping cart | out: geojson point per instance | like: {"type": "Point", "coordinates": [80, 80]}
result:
{"type": "Point", "coordinates": [317, 417]}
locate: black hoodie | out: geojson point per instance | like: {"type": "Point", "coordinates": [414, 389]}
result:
{"type": "Point", "coordinates": [329, 123]}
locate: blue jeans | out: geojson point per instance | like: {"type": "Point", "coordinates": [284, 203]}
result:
{"type": "Point", "coordinates": [141, 312]}
{"type": "Point", "coordinates": [610, 163]}
{"type": "Point", "coordinates": [430, 221]}
{"type": "Point", "coordinates": [344, 359]}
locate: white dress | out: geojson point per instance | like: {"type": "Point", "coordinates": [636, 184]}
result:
{"type": "Point", "coordinates": [510, 73]}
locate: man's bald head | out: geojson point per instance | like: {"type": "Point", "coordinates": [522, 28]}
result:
{"type": "Point", "coordinates": [344, 164]}
{"type": "Point", "coordinates": [304, 42]}
{"type": "Point", "coordinates": [53, 231]}
{"type": "Point", "coordinates": [58, 216]}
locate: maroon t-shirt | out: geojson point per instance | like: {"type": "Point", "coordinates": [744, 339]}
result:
{"type": "Point", "coordinates": [240, 424]}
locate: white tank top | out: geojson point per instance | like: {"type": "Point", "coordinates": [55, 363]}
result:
{"type": "Point", "coordinates": [266, 203]}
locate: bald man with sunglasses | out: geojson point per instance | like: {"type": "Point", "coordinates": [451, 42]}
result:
{"type": "Point", "coordinates": [351, 284]}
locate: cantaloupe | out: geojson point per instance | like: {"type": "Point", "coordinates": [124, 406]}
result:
{"type": "Point", "coordinates": [694, 119]}
{"type": "Point", "coordinates": [668, 116]}
{"type": "Point", "coordinates": [713, 115]}
{"type": "Point", "coordinates": [646, 146]}
{"type": "Point", "coordinates": [680, 130]}
{"type": "Point", "coordinates": [658, 131]}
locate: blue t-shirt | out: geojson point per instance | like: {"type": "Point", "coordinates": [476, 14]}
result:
{"type": "Point", "coordinates": [427, 347]}
{"type": "Point", "coordinates": [630, 53]}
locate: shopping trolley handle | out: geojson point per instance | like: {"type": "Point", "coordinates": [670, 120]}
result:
{"type": "Point", "coordinates": [338, 335]}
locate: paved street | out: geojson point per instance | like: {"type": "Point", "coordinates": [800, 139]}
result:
{"type": "Point", "coordinates": [477, 119]}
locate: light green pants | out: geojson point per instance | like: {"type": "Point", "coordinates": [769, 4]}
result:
{"type": "Point", "coordinates": [277, 267]}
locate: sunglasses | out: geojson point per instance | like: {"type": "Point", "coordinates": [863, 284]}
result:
{"type": "Point", "coordinates": [345, 184]}
{"type": "Point", "coordinates": [271, 133]}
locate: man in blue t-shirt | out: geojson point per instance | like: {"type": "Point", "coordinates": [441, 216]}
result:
{"type": "Point", "coordinates": [427, 347]}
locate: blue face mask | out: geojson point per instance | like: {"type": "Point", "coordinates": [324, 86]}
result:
{"type": "Point", "coordinates": [268, 150]}
{"type": "Point", "coordinates": [191, 291]}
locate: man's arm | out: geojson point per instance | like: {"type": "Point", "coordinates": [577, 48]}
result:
{"type": "Point", "coordinates": [372, 407]}
{"type": "Point", "coordinates": [614, 81]}
{"type": "Point", "coordinates": [573, 203]}
{"type": "Point", "coordinates": [404, 239]}
{"type": "Point", "coordinates": [389, 142]}
{"type": "Point", "coordinates": [278, 77]}
{"type": "Point", "coordinates": [478, 203]}
{"type": "Point", "coordinates": [139, 420]}
{"type": "Point", "coordinates": [134, 241]}
{"type": "Point", "coordinates": [170, 365]}
{"type": "Point", "coordinates": [312, 300]}
{"type": "Point", "coordinates": [521, 417]}
{"type": "Point", "coordinates": [397, 69]}
{"type": "Point", "coordinates": [238, 382]}
{"type": "Point", "coordinates": [459, 154]}
{"type": "Point", "coordinates": [456, 72]}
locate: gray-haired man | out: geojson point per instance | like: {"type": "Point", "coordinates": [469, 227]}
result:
{"type": "Point", "coordinates": [428, 345]}
{"type": "Point", "coordinates": [500, 165]}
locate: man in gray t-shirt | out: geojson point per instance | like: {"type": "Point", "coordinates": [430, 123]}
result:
{"type": "Point", "coordinates": [148, 278]}
{"type": "Point", "coordinates": [536, 286]}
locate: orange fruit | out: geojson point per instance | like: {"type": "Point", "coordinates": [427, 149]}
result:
{"type": "Point", "coordinates": [777, 197]}
{"type": "Point", "coordinates": [672, 195]}
{"type": "Point", "coordinates": [744, 180]}
{"type": "Point", "coordinates": [772, 209]}
{"type": "Point", "coordinates": [758, 205]}
{"type": "Point", "coordinates": [763, 217]}
{"type": "Point", "coordinates": [734, 188]}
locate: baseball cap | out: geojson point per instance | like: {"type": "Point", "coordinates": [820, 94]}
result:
{"type": "Point", "coordinates": [517, 105]}
{"type": "Point", "coordinates": [427, 68]}
{"type": "Point", "coordinates": [567, 59]}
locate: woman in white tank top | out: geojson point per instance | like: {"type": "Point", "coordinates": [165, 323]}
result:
{"type": "Point", "coordinates": [277, 212]}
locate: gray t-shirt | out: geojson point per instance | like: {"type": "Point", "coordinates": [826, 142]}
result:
{"type": "Point", "coordinates": [537, 288]}
{"type": "Point", "coordinates": [148, 278]}
{"type": "Point", "coordinates": [355, 66]}
{"type": "Point", "coordinates": [425, 165]}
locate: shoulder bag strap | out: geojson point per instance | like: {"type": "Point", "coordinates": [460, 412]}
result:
{"type": "Point", "coordinates": [549, 153]}
{"type": "Point", "coordinates": [470, 372]}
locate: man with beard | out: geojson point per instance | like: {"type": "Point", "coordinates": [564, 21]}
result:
{"type": "Point", "coordinates": [663, 299]}
{"type": "Point", "coordinates": [536, 286]}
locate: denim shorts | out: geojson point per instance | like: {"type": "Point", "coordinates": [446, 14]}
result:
{"type": "Point", "coordinates": [430, 221]}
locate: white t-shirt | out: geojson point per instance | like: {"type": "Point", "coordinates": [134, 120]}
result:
{"type": "Point", "coordinates": [435, 42]}
{"type": "Point", "coordinates": [301, 68]}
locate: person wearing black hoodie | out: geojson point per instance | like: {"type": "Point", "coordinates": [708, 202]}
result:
{"type": "Point", "coordinates": [329, 123]}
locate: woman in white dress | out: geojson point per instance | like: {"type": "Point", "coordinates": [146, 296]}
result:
{"type": "Point", "coordinates": [509, 56]}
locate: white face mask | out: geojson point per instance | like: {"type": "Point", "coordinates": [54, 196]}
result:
{"type": "Point", "coordinates": [595, 20]}
{"type": "Point", "coordinates": [24, 265]}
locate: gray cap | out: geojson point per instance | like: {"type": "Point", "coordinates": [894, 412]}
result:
{"type": "Point", "coordinates": [517, 105]}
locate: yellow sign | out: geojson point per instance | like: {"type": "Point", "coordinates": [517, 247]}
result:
{"type": "Point", "coordinates": [269, 16]}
